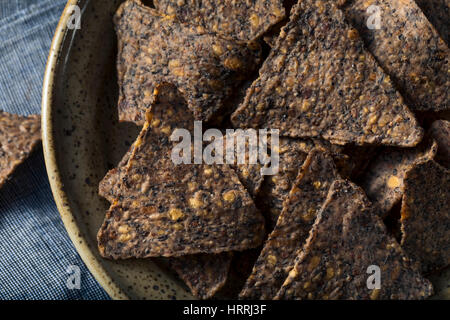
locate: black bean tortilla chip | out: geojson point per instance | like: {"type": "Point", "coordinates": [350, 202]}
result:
{"type": "Point", "coordinates": [238, 20]}
{"type": "Point", "coordinates": [425, 216]}
{"type": "Point", "coordinates": [408, 48]}
{"type": "Point", "coordinates": [440, 132]}
{"type": "Point", "coordinates": [292, 229]}
{"type": "Point", "coordinates": [438, 12]}
{"type": "Point", "coordinates": [346, 239]}
{"type": "Point", "coordinates": [319, 81]}
{"type": "Point", "coordinates": [383, 179]}
{"type": "Point", "coordinates": [164, 209]}
{"type": "Point", "coordinates": [19, 136]}
{"type": "Point", "coordinates": [204, 274]}
{"type": "Point", "coordinates": [154, 48]}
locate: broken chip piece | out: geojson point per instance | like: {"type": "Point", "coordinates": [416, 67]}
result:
{"type": "Point", "coordinates": [19, 135]}
{"type": "Point", "coordinates": [425, 216]}
{"type": "Point", "coordinates": [155, 49]}
{"type": "Point", "coordinates": [238, 20]}
{"type": "Point", "coordinates": [347, 244]}
{"type": "Point", "coordinates": [383, 179]}
{"type": "Point", "coordinates": [440, 132]}
{"type": "Point", "coordinates": [204, 274]}
{"type": "Point", "coordinates": [407, 47]}
{"type": "Point", "coordinates": [292, 229]}
{"type": "Point", "coordinates": [167, 210]}
{"type": "Point", "coordinates": [438, 12]}
{"type": "Point", "coordinates": [319, 81]}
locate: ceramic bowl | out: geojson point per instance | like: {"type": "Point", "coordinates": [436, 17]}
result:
{"type": "Point", "coordinates": [83, 140]}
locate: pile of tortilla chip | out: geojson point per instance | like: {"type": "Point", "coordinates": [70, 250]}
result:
{"type": "Point", "coordinates": [358, 207]}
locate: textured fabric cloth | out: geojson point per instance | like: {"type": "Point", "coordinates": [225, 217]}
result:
{"type": "Point", "coordinates": [36, 254]}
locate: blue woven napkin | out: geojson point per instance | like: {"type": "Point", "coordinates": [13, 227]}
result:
{"type": "Point", "coordinates": [37, 258]}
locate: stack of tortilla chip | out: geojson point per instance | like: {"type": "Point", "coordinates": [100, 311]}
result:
{"type": "Point", "coordinates": [307, 230]}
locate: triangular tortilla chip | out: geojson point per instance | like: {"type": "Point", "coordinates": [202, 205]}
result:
{"type": "Point", "coordinates": [407, 47]}
{"type": "Point", "coordinates": [171, 210]}
{"type": "Point", "coordinates": [383, 180]}
{"type": "Point", "coordinates": [440, 132]}
{"type": "Point", "coordinates": [19, 135]}
{"type": "Point", "coordinates": [299, 213]}
{"type": "Point", "coordinates": [319, 81]}
{"type": "Point", "coordinates": [346, 241]}
{"type": "Point", "coordinates": [238, 20]}
{"type": "Point", "coordinates": [425, 216]}
{"type": "Point", "coordinates": [204, 274]}
{"type": "Point", "coordinates": [154, 48]}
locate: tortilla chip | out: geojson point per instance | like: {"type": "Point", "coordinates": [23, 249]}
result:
{"type": "Point", "coordinates": [19, 136]}
{"type": "Point", "coordinates": [408, 48]}
{"type": "Point", "coordinates": [346, 239]}
{"type": "Point", "coordinates": [299, 212]}
{"type": "Point", "coordinates": [383, 180]}
{"type": "Point", "coordinates": [319, 81]}
{"type": "Point", "coordinates": [440, 132]}
{"type": "Point", "coordinates": [155, 49]}
{"type": "Point", "coordinates": [438, 12]}
{"type": "Point", "coordinates": [204, 274]}
{"type": "Point", "coordinates": [425, 216]}
{"type": "Point", "coordinates": [275, 189]}
{"type": "Point", "coordinates": [237, 20]}
{"type": "Point", "coordinates": [171, 210]}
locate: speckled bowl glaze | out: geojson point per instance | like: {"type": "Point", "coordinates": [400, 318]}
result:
{"type": "Point", "coordinates": [83, 139]}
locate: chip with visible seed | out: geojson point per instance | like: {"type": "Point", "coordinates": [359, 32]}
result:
{"type": "Point", "coordinates": [425, 216]}
{"type": "Point", "coordinates": [440, 132]}
{"type": "Point", "coordinates": [19, 136]}
{"type": "Point", "coordinates": [319, 81]}
{"type": "Point", "coordinates": [438, 12]}
{"type": "Point", "coordinates": [155, 49]}
{"type": "Point", "coordinates": [167, 209]}
{"type": "Point", "coordinates": [407, 47]}
{"type": "Point", "coordinates": [275, 188]}
{"type": "Point", "coordinates": [237, 20]}
{"type": "Point", "coordinates": [204, 274]}
{"type": "Point", "coordinates": [383, 179]}
{"type": "Point", "coordinates": [347, 245]}
{"type": "Point", "coordinates": [292, 229]}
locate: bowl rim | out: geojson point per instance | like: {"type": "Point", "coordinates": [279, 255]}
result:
{"type": "Point", "coordinates": [54, 175]}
